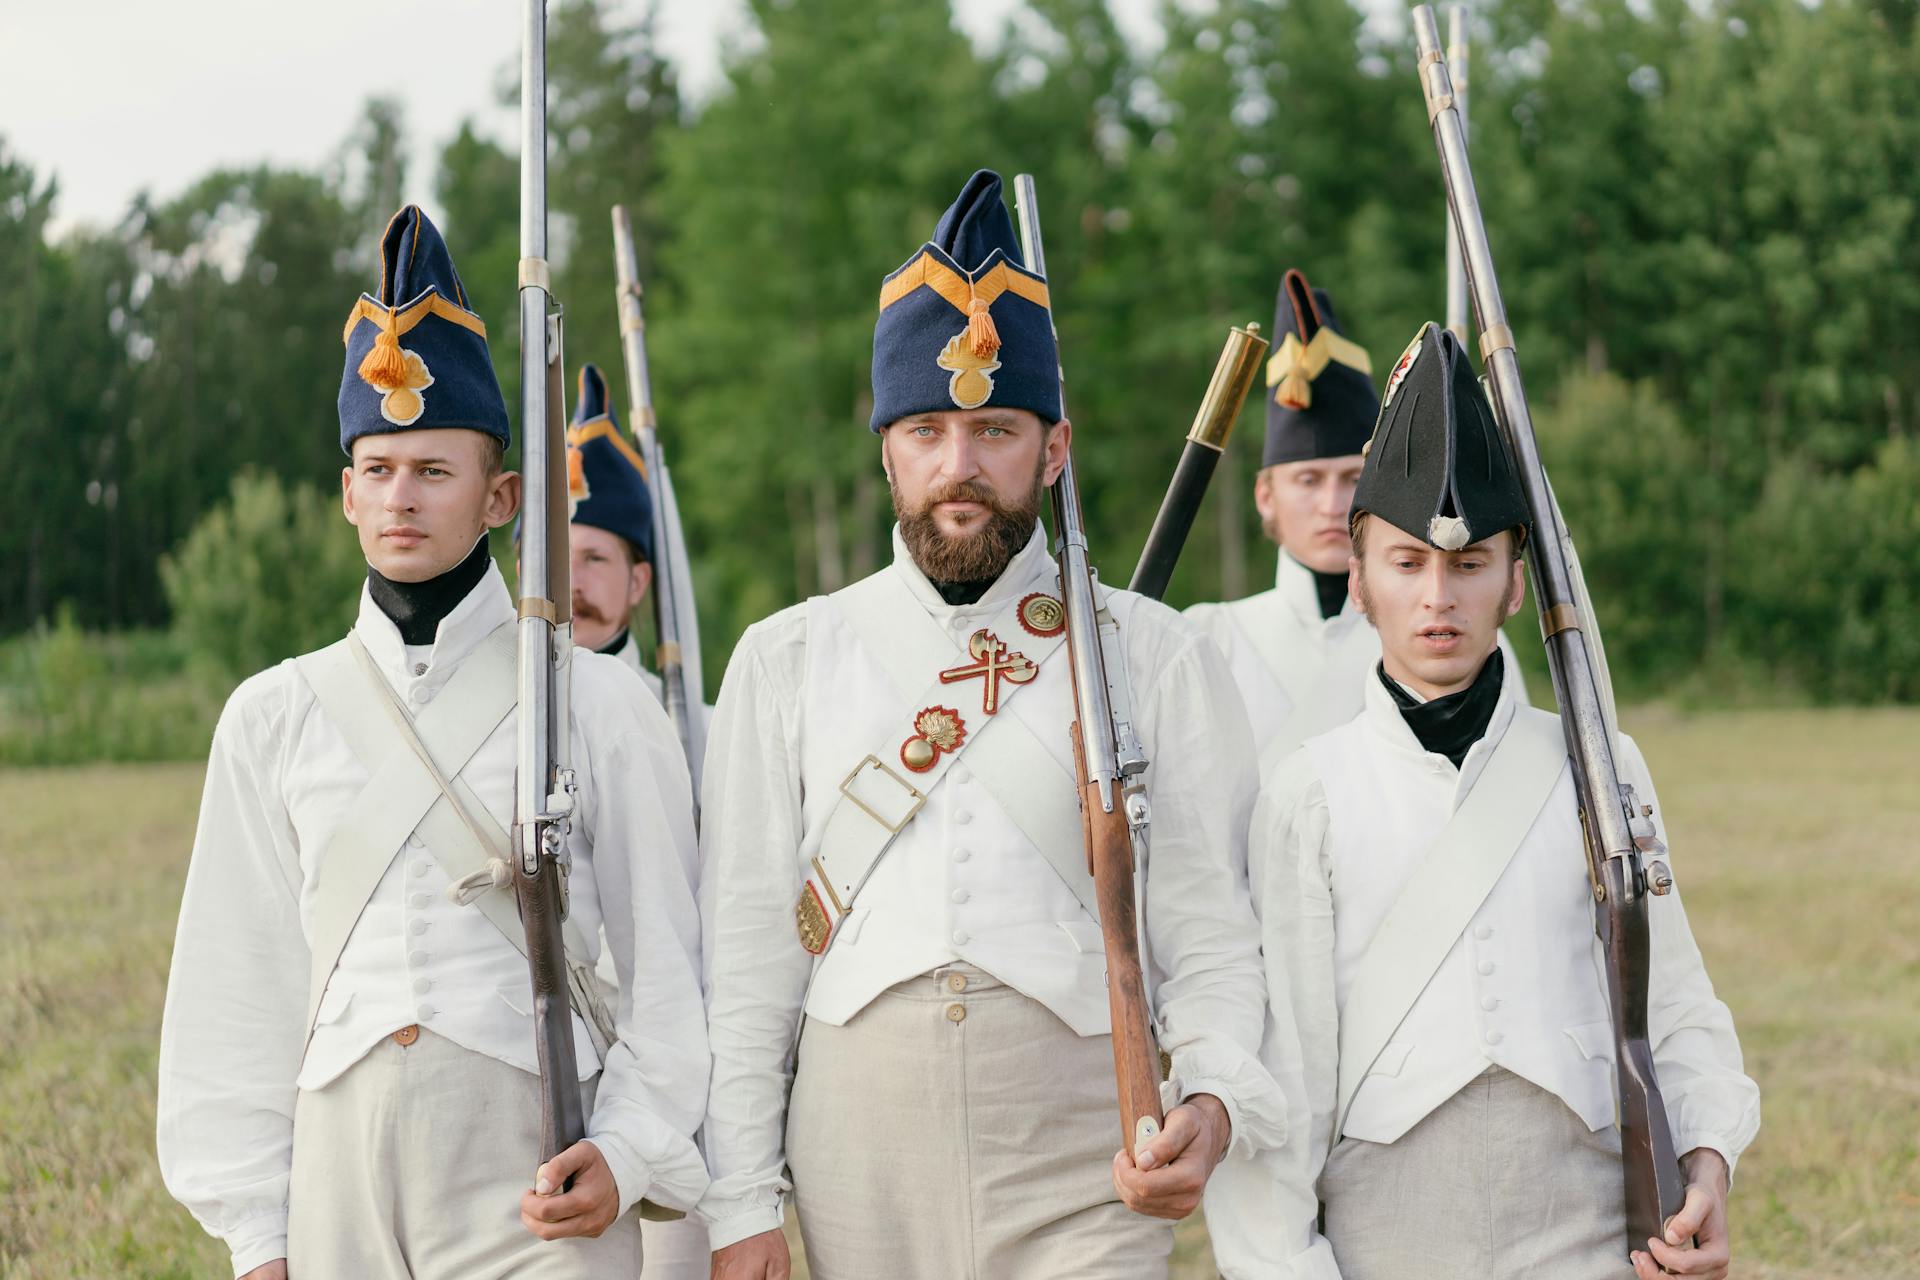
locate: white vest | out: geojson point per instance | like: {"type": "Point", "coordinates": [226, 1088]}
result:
{"type": "Point", "coordinates": [414, 956]}
{"type": "Point", "coordinates": [961, 881]}
{"type": "Point", "coordinates": [1522, 987]}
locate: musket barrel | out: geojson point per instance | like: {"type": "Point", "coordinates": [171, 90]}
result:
{"type": "Point", "coordinates": [669, 627]}
{"type": "Point", "coordinates": [1070, 542]}
{"type": "Point", "coordinates": [1652, 1178]}
{"type": "Point", "coordinates": [1233, 376]}
{"type": "Point", "coordinates": [542, 785]}
{"type": "Point", "coordinates": [1457, 304]}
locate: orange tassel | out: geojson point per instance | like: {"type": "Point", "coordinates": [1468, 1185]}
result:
{"type": "Point", "coordinates": [1295, 391]}
{"type": "Point", "coordinates": [982, 338]}
{"type": "Point", "coordinates": [385, 366]}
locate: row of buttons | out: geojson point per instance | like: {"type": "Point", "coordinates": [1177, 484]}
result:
{"type": "Point", "coordinates": [1488, 1004]}
{"type": "Point", "coordinates": [419, 900]}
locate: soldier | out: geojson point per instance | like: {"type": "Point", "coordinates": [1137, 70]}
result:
{"type": "Point", "coordinates": [612, 529]}
{"type": "Point", "coordinates": [1479, 1139]}
{"type": "Point", "coordinates": [952, 1102]}
{"type": "Point", "coordinates": [347, 1075]}
{"type": "Point", "coordinates": [1301, 652]}
{"type": "Point", "coordinates": [611, 535]}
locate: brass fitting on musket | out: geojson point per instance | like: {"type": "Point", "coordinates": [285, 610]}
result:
{"type": "Point", "coordinates": [1233, 378]}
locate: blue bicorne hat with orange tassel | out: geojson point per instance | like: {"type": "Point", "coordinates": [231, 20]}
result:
{"type": "Point", "coordinates": [963, 324]}
{"type": "Point", "coordinates": [606, 479]}
{"type": "Point", "coordinates": [417, 354]}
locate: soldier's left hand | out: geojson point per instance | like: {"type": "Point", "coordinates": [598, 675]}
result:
{"type": "Point", "coordinates": [1702, 1219]}
{"type": "Point", "coordinates": [586, 1210]}
{"type": "Point", "coordinates": [1172, 1170]}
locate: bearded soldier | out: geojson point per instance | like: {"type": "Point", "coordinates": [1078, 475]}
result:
{"type": "Point", "coordinates": [1301, 652]}
{"type": "Point", "coordinates": [612, 529]}
{"type": "Point", "coordinates": [893, 872]}
{"type": "Point", "coordinates": [1458, 1120]}
{"type": "Point", "coordinates": [348, 1084]}
{"type": "Point", "coordinates": [611, 535]}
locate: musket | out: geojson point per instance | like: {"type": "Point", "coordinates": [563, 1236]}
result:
{"type": "Point", "coordinates": [1111, 769]}
{"type": "Point", "coordinates": [1623, 847]}
{"type": "Point", "coordinates": [543, 790]}
{"type": "Point", "coordinates": [1233, 375]}
{"type": "Point", "coordinates": [1456, 261]}
{"type": "Point", "coordinates": [676, 625]}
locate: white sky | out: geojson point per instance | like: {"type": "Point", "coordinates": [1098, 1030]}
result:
{"type": "Point", "coordinates": [119, 96]}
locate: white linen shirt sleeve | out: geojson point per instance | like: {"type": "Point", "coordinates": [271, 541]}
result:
{"type": "Point", "coordinates": [751, 830]}
{"type": "Point", "coordinates": [1202, 936]}
{"type": "Point", "coordinates": [1711, 1102]}
{"type": "Point", "coordinates": [1292, 886]}
{"type": "Point", "coordinates": [231, 1034]}
{"type": "Point", "coordinates": [637, 816]}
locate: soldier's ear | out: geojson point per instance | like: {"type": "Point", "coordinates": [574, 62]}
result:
{"type": "Point", "coordinates": [1059, 440]}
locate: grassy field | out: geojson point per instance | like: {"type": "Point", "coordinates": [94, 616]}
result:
{"type": "Point", "coordinates": [1796, 839]}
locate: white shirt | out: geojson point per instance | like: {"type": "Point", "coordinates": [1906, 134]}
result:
{"type": "Point", "coordinates": [961, 881]}
{"type": "Point", "coordinates": [629, 653]}
{"type": "Point", "coordinates": [1522, 988]}
{"type": "Point", "coordinates": [1301, 674]}
{"type": "Point", "coordinates": [279, 781]}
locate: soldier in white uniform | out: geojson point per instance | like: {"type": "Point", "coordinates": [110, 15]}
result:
{"type": "Point", "coordinates": [905, 979]}
{"type": "Point", "coordinates": [612, 529]}
{"type": "Point", "coordinates": [1450, 1075]}
{"type": "Point", "coordinates": [1301, 652]}
{"type": "Point", "coordinates": [347, 1075]}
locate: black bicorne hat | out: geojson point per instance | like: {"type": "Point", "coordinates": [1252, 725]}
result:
{"type": "Point", "coordinates": [1436, 466]}
{"type": "Point", "coordinates": [1321, 402]}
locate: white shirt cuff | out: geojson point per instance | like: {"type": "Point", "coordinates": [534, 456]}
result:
{"type": "Point", "coordinates": [258, 1240]}
{"type": "Point", "coordinates": [739, 1224]}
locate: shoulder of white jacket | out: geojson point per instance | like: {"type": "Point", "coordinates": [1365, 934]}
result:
{"type": "Point", "coordinates": [610, 698]}
{"type": "Point", "coordinates": [764, 639]}
{"type": "Point", "coordinates": [263, 702]}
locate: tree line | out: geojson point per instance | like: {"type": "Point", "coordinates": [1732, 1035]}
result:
{"type": "Point", "coordinates": [1703, 215]}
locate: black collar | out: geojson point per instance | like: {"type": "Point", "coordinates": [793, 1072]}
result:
{"type": "Point", "coordinates": [1332, 590]}
{"type": "Point", "coordinates": [959, 593]}
{"type": "Point", "coordinates": [418, 607]}
{"type": "Point", "coordinates": [615, 645]}
{"type": "Point", "coordinates": [1450, 726]}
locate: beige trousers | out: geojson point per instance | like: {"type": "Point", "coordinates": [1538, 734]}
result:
{"type": "Point", "coordinates": [411, 1166]}
{"type": "Point", "coordinates": [676, 1250]}
{"type": "Point", "coordinates": [956, 1130]}
{"type": "Point", "coordinates": [1501, 1182]}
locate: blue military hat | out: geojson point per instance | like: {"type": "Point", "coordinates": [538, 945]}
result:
{"type": "Point", "coordinates": [963, 324]}
{"type": "Point", "coordinates": [606, 479]}
{"type": "Point", "coordinates": [1323, 404]}
{"type": "Point", "coordinates": [417, 354]}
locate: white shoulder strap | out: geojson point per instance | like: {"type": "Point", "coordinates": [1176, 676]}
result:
{"type": "Point", "coordinates": [1445, 891]}
{"type": "Point", "coordinates": [878, 798]}
{"type": "Point", "coordinates": [414, 769]}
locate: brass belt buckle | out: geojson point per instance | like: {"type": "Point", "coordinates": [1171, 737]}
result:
{"type": "Point", "coordinates": [893, 828]}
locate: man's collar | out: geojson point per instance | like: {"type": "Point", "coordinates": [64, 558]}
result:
{"type": "Point", "coordinates": [1383, 718]}
{"type": "Point", "coordinates": [459, 634]}
{"type": "Point", "coordinates": [1019, 577]}
{"type": "Point", "coordinates": [1294, 583]}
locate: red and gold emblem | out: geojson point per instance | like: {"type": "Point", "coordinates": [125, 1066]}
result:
{"type": "Point", "coordinates": [935, 730]}
{"type": "Point", "coordinates": [810, 916]}
{"type": "Point", "coordinates": [1042, 615]}
{"type": "Point", "coordinates": [992, 663]}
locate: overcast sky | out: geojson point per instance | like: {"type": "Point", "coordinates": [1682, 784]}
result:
{"type": "Point", "coordinates": [119, 96]}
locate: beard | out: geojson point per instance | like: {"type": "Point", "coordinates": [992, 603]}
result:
{"type": "Point", "coordinates": [983, 552]}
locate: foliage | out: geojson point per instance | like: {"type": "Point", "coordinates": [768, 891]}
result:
{"type": "Point", "coordinates": [270, 573]}
{"type": "Point", "coordinates": [1704, 216]}
{"type": "Point", "coordinates": [69, 697]}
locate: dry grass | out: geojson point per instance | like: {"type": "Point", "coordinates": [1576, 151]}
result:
{"type": "Point", "coordinates": [1794, 837]}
